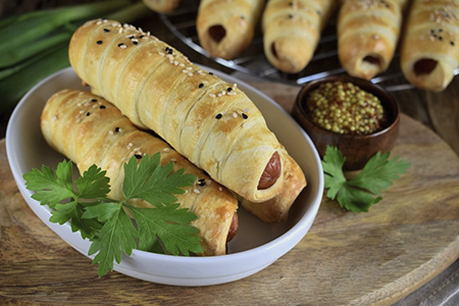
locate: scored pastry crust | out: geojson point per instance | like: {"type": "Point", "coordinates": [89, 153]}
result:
{"type": "Point", "coordinates": [430, 47]}
{"type": "Point", "coordinates": [162, 6]}
{"type": "Point", "coordinates": [89, 130]}
{"type": "Point", "coordinates": [210, 122]}
{"type": "Point", "coordinates": [226, 28]}
{"type": "Point", "coordinates": [368, 31]}
{"type": "Point", "coordinates": [277, 208]}
{"type": "Point", "coordinates": [291, 31]}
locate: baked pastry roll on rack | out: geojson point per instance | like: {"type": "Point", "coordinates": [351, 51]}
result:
{"type": "Point", "coordinates": [291, 31]}
{"type": "Point", "coordinates": [162, 6]}
{"type": "Point", "coordinates": [430, 47]}
{"type": "Point", "coordinates": [210, 122]}
{"type": "Point", "coordinates": [89, 130]}
{"type": "Point", "coordinates": [368, 32]}
{"type": "Point", "coordinates": [225, 28]}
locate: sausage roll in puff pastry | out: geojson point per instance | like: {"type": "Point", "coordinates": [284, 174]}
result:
{"type": "Point", "coordinates": [210, 122]}
{"type": "Point", "coordinates": [225, 28]}
{"type": "Point", "coordinates": [368, 31]}
{"type": "Point", "coordinates": [430, 48]}
{"type": "Point", "coordinates": [162, 6]}
{"type": "Point", "coordinates": [291, 31]}
{"type": "Point", "coordinates": [89, 130]}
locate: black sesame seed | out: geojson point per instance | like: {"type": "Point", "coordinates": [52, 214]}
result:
{"type": "Point", "coordinates": [202, 182]}
{"type": "Point", "coordinates": [117, 130]}
{"type": "Point", "coordinates": [440, 38]}
{"type": "Point", "coordinates": [141, 36]}
{"type": "Point", "coordinates": [135, 42]}
{"type": "Point", "coordinates": [138, 156]}
{"type": "Point", "coordinates": [290, 3]}
{"type": "Point", "coordinates": [121, 44]}
{"type": "Point", "coordinates": [99, 42]}
{"type": "Point", "coordinates": [106, 30]}
{"type": "Point", "coordinates": [244, 116]}
{"type": "Point", "coordinates": [440, 30]}
{"type": "Point", "coordinates": [169, 50]}
{"type": "Point", "coordinates": [201, 85]}
{"type": "Point", "coordinates": [229, 89]}
{"type": "Point", "coordinates": [290, 16]}
{"type": "Point", "coordinates": [131, 36]}
{"type": "Point", "coordinates": [211, 73]}
{"type": "Point", "coordinates": [88, 113]}
{"type": "Point", "coordinates": [93, 100]}
{"type": "Point", "coordinates": [219, 116]}
{"type": "Point", "coordinates": [452, 43]}
{"type": "Point", "coordinates": [102, 107]}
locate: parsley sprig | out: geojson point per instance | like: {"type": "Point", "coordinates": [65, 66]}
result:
{"type": "Point", "coordinates": [364, 190]}
{"type": "Point", "coordinates": [115, 228]}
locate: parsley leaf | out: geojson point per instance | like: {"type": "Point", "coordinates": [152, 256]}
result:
{"type": "Point", "coordinates": [364, 190]}
{"type": "Point", "coordinates": [116, 227]}
{"type": "Point", "coordinates": [117, 237]}
{"type": "Point", "coordinates": [171, 225]}
{"type": "Point", "coordinates": [150, 181]}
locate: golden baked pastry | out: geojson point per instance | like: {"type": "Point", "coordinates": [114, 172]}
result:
{"type": "Point", "coordinates": [368, 32]}
{"type": "Point", "coordinates": [291, 31]}
{"type": "Point", "coordinates": [89, 130]}
{"type": "Point", "coordinates": [162, 6]}
{"type": "Point", "coordinates": [225, 28]}
{"type": "Point", "coordinates": [430, 47]}
{"type": "Point", "coordinates": [210, 122]}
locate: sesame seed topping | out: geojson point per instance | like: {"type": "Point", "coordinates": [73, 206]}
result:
{"type": "Point", "coordinates": [169, 50]}
{"type": "Point", "coordinates": [99, 42]}
{"type": "Point", "coordinates": [218, 116]}
{"type": "Point", "coordinates": [81, 111]}
{"type": "Point", "coordinates": [173, 160]}
{"type": "Point", "coordinates": [211, 73]}
{"type": "Point", "coordinates": [234, 115]}
{"type": "Point", "coordinates": [106, 30]}
{"type": "Point", "coordinates": [244, 116]}
{"type": "Point", "coordinates": [55, 117]}
{"type": "Point", "coordinates": [135, 42]}
{"type": "Point", "coordinates": [166, 150]}
{"type": "Point", "coordinates": [93, 100]}
{"type": "Point", "coordinates": [212, 95]}
{"type": "Point", "coordinates": [102, 107]}
{"type": "Point", "coordinates": [202, 182]}
{"type": "Point", "coordinates": [122, 45]}
{"type": "Point", "coordinates": [131, 36]}
{"type": "Point", "coordinates": [138, 156]}
{"type": "Point", "coordinates": [452, 43]}
{"type": "Point", "coordinates": [110, 132]}
{"type": "Point", "coordinates": [220, 188]}
{"type": "Point", "coordinates": [130, 145]}
{"type": "Point", "coordinates": [118, 130]}
{"type": "Point", "coordinates": [201, 85]}
{"type": "Point", "coordinates": [196, 191]}
{"type": "Point", "coordinates": [229, 89]}
{"type": "Point", "coordinates": [88, 113]}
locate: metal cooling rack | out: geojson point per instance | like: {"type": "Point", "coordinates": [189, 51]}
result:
{"type": "Point", "coordinates": [324, 63]}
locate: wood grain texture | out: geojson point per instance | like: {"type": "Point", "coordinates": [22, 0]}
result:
{"type": "Point", "coordinates": [346, 258]}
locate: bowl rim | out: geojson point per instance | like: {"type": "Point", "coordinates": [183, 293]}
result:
{"type": "Point", "coordinates": [384, 96]}
{"type": "Point", "coordinates": [289, 235]}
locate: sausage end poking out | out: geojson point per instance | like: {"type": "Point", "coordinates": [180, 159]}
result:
{"type": "Point", "coordinates": [233, 227]}
{"type": "Point", "coordinates": [271, 173]}
{"type": "Point", "coordinates": [425, 66]}
{"type": "Point", "coordinates": [217, 32]}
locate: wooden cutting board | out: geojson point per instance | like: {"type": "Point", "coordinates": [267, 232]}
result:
{"type": "Point", "coordinates": [346, 258]}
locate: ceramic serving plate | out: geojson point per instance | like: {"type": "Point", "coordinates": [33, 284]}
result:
{"type": "Point", "coordinates": [256, 245]}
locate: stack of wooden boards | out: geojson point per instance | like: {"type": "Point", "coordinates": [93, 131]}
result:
{"type": "Point", "coordinates": [368, 32]}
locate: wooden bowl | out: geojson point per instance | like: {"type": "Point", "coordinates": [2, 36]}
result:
{"type": "Point", "coordinates": [357, 149]}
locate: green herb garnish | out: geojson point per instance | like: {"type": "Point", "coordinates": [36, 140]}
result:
{"type": "Point", "coordinates": [364, 190]}
{"type": "Point", "coordinates": [117, 227]}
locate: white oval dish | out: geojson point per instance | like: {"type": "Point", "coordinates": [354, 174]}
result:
{"type": "Point", "coordinates": [256, 245]}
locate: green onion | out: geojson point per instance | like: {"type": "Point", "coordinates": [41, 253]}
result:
{"type": "Point", "coordinates": [23, 33]}
{"type": "Point", "coordinates": [17, 80]}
